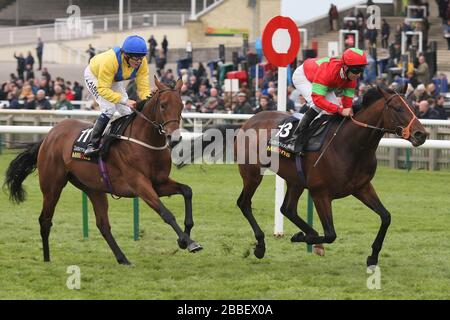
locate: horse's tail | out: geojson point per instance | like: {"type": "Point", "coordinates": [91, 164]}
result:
{"type": "Point", "coordinates": [18, 170]}
{"type": "Point", "coordinates": [200, 143]}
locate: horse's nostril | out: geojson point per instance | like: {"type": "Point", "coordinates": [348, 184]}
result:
{"type": "Point", "coordinates": [420, 135]}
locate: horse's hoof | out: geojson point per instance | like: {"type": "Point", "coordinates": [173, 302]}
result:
{"type": "Point", "coordinates": [371, 261]}
{"type": "Point", "coordinates": [124, 262]}
{"type": "Point", "coordinates": [182, 244]}
{"type": "Point", "coordinates": [298, 237]}
{"type": "Point", "coordinates": [259, 252]}
{"type": "Point", "coordinates": [194, 247]}
{"type": "Point", "coordinates": [319, 250]}
{"type": "Point", "coordinates": [180, 165]}
{"type": "Point", "coordinates": [371, 269]}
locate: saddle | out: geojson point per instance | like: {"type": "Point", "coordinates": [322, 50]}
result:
{"type": "Point", "coordinates": [114, 129]}
{"type": "Point", "coordinates": [283, 142]}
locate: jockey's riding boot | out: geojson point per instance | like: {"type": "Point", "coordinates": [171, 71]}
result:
{"type": "Point", "coordinates": [96, 135]}
{"type": "Point", "coordinates": [302, 128]}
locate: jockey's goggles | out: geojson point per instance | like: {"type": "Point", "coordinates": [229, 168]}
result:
{"type": "Point", "coordinates": [135, 56]}
{"type": "Point", "coordinates": [356, 69]}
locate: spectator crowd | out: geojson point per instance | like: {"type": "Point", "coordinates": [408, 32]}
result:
{"type": "Point", "coordinates": [201, 92]}
{"type": "Point", "coordinates": [32, 92]}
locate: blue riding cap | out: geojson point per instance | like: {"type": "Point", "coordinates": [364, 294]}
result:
{"type": "Point", "coordinates": [134, 44]}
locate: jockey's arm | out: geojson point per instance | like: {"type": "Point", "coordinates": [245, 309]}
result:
{"type": "Point", "coordinates": [347, 94]}
{"type": "Point", "coordinates": [142, 80]}
{"type": "Point", "coordinates": [319, 92]}
{"type": "Point", "coordinates": [106, 71]}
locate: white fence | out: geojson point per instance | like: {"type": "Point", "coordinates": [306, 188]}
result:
{"type": "Point", "coordinates": [385, 142]}
{"type": "Point", "coordinates": [197, 119]}
{"type": "Point", "coordinates": [186, 115]}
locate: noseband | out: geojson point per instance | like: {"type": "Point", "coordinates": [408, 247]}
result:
{"type": "Point", "coordinates": [159, 126]}
{"type": "Point", "coordinates": [402, 132]}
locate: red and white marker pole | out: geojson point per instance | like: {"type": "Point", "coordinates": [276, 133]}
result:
{"type": "Point", "coordinates": [281, 42]}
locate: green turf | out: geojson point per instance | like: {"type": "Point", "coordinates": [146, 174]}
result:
{"type": "Point", "coordinates": [413, 262]}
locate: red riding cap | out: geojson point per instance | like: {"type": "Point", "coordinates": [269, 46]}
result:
{"type": "Point", "coordinates": [354, 57]}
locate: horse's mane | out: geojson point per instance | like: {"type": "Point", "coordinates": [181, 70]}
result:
{"type": "Point", "coordinates": [140, 105]}
{"type": "Point", "coordinates": [372, 95]}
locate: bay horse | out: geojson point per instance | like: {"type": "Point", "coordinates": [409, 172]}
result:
{"type": "Point", "coordinates": [134, 170]}
{"type": "Point", "coordinates": [346, 168]}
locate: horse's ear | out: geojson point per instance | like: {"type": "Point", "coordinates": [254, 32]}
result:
{"type": "Point", "coordinates": [157, 83]}
{"type": "Point", "coordinates": [404, 89]}
{"type": "Point", "coordinates": [382, 90]}
{"type": "Point", "coordinates": [179, 84]}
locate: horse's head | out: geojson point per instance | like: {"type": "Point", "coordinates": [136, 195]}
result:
{"type": "Point", "coordinates": [165, 108]}
{"type": "Point", "coordinates": [399, 118]}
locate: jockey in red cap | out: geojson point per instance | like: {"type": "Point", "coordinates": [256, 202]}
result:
{"type": "Point", "coordinates": [316, 79]}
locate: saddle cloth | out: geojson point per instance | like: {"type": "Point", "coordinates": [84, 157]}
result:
{"type": "Point", "coordinates": [283, 142]}
{"type": "Point", "coordinates": [115, 128]}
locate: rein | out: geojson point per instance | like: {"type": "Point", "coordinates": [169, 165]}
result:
{"type": "Point", "coordinates": [402, 132]}
{"type": "Point", "coordinates": [159, 126]}
{"type": "Point", "coordinates": [148, 146]}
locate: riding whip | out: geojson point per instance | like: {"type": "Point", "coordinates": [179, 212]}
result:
{"type": "Point", "coordinates": [329, 142]}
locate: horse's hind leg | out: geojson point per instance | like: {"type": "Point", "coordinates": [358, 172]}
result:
{"type": "Point", "coordinates": [51, 187]}
{"type": "Point", "coordinates": [251, 176]}
{"type": "Point", "coordinates": [289, 210]}
{"type": "Point", "coordinates": [100, 204]}
{"type": "Point", "coordinates": [323, 206]}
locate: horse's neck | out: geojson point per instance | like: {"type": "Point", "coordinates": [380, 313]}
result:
{"type": "Point", "coordinates": [361, 139]}
{"type": "Point", "coordinates": [144, 131]}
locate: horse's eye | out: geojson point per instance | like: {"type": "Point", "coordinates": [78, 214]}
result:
{"type": "Point", "coordinates": [398, 109]}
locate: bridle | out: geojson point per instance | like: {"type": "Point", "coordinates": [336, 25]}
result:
{"type": "Point", "coordinates": [159, 126]}
{"type": "Point", "coordinates": [402, 132]}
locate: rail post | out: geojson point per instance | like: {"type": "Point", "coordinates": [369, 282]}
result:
{"type": "Point", "coordinates": [310, 217]}
{"type": "Point", "coordinates": [84, 205]}
{"type": "Point", "coordinates": [136, 219]}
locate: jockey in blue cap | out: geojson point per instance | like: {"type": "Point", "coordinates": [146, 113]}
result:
{"type": "Point", "coordinates": [105, 76]}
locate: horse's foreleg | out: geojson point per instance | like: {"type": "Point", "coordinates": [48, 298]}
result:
{"type": "Point", "coordinates": [144, 189]}
{"type": "Point", "coordinates": [289, 210]}
{"type": "Point", "coordinates": [369, 197]}
{"type": "Point", "coordinates": [100, 205]}
{"type": "Point", "coordinates": [173, 187]}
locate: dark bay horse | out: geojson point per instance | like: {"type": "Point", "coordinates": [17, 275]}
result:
{"type": "Point", "coordinates": [134, 169]}
{"type": "Point", "coordinates": [346, 168]}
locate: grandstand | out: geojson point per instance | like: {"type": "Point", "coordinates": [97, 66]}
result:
{"type": "Point", "coordinates": [30, 11]}
{"type": "Point", "coordinates": [323, 36]}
